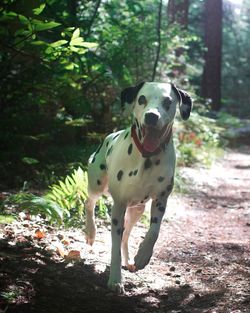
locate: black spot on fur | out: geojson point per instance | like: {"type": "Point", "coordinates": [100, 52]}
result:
{"type": "Point", "coordinates": [102, 166]}
{"type": "Point", "coordinates": [98, 149]}
{"type": "Point", "coordinates": [171, 186]}
{"type": "Point", "coordinates": [137, 124]}
{"type": "Point", "coordinates": [126, 135]}
{"type": "Point", "coordinates": [142, 100]}
{"type": "Point", "coordinates": [119, 175]}
{"type": "Point", "coordinates": [153, 220]}
{"type": "Point", "coordinates": [130, 174]}
{"type": "Point", "coordinates": [115, 221]}
{"type": "Point", "coordinates": [167, 103]}
{"type": "Point", "coordinates": [147, 164]}
{"type": "Point", "coordinates": [115, 136]}
{"type": "Point", "coordinates": [139, 134]}
{"type": "Point", "coordinates": [135, 172]}
{"type": "Point", "coordinates": [107, 143]}
{"type": "Point", "coordinates": [98, 182]}
{"type": "Point", "coordinates": [160, 179]}
{"type": "Point", "coordinates": [142, 201]}
{"type": "Point", "coordinates": [120, 231]}
{"type": "Point", "coordinates": [157, 162]}
{"type": "Point", "coordinates": [163, 193]}
{"type": "Point", "coordinates": [109, 150]}
{"type": "Point", "coordinates": [93, 160]}
{"type": "Point", "coordinates": [130, 148]}
{"type": "Point", "coordinates": [161, 209]}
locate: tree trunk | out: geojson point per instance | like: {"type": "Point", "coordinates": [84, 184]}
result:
{"type": "Point", "coordinates": [211, 80]}
{"type": "Point", "coordinates": [178, 12]}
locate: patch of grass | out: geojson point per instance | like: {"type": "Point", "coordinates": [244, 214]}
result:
{"type": "Point", "coordinates": [6, 219]}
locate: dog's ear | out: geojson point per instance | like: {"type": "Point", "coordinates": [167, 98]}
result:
{"type": "Point", "coordinates": [128, 96]}
{"type": "Point", "coordinates": [185, 102]}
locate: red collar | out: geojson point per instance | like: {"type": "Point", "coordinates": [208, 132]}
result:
{"type": "Point", "coordinates": [139, 146]}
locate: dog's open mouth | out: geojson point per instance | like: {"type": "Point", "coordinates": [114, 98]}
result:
{"type": "Point", "coordinates": [151, 140]}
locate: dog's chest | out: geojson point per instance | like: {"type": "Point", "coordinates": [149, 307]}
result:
{"type": "Point", "coordinates": [134, 177]}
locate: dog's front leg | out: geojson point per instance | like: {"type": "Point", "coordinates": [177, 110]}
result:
{"type": "Point", "coordinates": [146, 247]}
{"type": "Point", "coordinates": [117, 227]}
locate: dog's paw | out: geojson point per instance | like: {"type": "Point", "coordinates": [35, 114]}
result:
{"type": "Point", "coordinates": [90, 234]}
{"type": "Point", "coordinates": [131, 267]}
{"type": "Point", "coordinates": [116, 287]}
{"type": "Point", "coordinates": [89, 240]}
{"type": "Point", "coordinates": [142, 259]}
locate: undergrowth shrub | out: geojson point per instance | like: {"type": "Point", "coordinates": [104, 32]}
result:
{"type": "Point", "coordinates": [198, 140]}
{"type": "Point", "coordinates": [64, 202]}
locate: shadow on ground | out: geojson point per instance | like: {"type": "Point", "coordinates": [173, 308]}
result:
{"type": "Point", "coordinates": [34, 282]}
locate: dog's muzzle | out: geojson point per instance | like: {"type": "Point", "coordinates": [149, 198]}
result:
{"type": "Point", "coordinates": [151, 119]}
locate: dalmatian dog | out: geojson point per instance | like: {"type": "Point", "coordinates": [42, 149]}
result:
{"type": "Point", "coordinates": [135, 165]}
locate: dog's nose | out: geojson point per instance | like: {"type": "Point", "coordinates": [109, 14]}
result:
{"type": "Point", "coordinates": [151, 119]}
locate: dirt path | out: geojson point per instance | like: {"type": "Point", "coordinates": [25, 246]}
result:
{"type": "Point", "coordinates": [201, 261]}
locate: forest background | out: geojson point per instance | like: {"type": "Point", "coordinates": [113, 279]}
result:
{"type": "Point", "coordinates": [64, 63]}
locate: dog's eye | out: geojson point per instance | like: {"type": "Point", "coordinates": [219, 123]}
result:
{"type": "Point", "coordinates": [166, 103]}
{"type": "Point", "coordinates": [142, 100]}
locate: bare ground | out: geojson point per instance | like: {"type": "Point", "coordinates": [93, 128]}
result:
{"type": "Point", "coordinates": [201, 261]}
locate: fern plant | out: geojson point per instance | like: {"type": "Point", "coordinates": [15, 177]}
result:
{"type": "Point", "coordinates": [64, 200]}
{"type": "Point", "coordinates": [71, 193]}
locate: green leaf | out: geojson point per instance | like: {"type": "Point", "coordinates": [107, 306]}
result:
{"type": "Point", "coordinates": [70, 66]}
{"type": "Point", "coordinates": [89, 44]}
{"type": "Point", "coordinates": [76, 41]}
{"type": "Point", "coordinates": [6, 16]}
{"type": "Point", "coordinates": [23, 19]}
{"type": "Point", "coordinates": [30, 161]}
{"type": "Point", "coordinates": [40, 25]}
{"type": "Point", "coordinates": [39, 10]}
{"type": "Point", "coordinates": [39, 43]}
{"type": "Point", "coordinates": [58, 43]}
{"type": "Point", "coordinates": [76, 34]}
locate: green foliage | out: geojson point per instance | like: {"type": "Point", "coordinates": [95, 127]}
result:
{"type": "Point", "coordinates": [6, 219]}
{"type": "Point", "coordinates": [64, 202]}
{"type": "Point", "coordinates": [34, 205]}
{"type": "Point", "coordinates": [71, 193]}
{"type": "Point", "coordinates": [198, 141]}
{"type": "Point", "coordinates": [227, 120]}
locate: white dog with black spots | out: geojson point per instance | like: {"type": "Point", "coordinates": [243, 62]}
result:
{"type": "Point", "coordinates": [135, 165]}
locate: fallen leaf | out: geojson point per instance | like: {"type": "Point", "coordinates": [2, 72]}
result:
{"type": "Point", "coordinates": [73, 255]}
{"type": "Point", "coordinates": [39, 234]}
{"type": "Point", "coordinates": [65, 241]}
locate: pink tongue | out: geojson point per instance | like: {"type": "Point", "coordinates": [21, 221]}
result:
{"type": "Point", "coordinates": [150, 142]}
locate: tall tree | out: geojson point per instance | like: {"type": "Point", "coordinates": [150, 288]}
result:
{"type": "Point", "coordinates": [178, 12]}
{"type": "Point", "coordinates": [211, 80]}
{"type": "Point", "coordinates": [158, 39]}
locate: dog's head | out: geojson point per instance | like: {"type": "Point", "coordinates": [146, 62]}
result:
{"type": "Point", "coordinates": [154, 107]}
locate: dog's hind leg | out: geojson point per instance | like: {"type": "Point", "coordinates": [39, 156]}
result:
{"type": "Point", "coordinates": [132, 216]}
{"type": "Point", "coordinates": [90, 219]}
{"type": "Point", "coordinates": [97, 185]}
